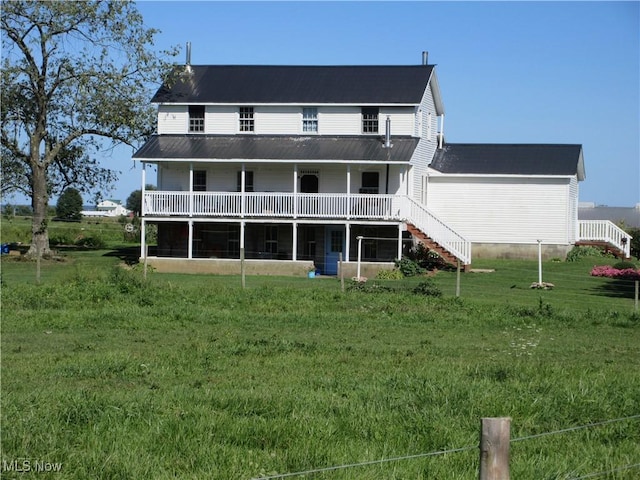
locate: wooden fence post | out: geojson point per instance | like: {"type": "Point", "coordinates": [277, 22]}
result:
{"type": "Point", "coordinates": [494, 448]}
{"type": "Point", "coordinates": [635, 307]}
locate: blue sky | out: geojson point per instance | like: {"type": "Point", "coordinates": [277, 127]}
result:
{"type": "Point", "coordinates": [509, 72]}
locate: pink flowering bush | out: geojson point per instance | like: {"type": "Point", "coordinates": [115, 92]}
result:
{"type": "Point", "coordinates": [611, 272]}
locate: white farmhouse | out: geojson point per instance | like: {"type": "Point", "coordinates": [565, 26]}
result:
{"type": "Point", "coordinates": [107, 208]}
{"type": "Point", "coordinates": [295, 166]}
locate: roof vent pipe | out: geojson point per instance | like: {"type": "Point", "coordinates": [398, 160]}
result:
{"type": "Point", "coordinates": [387, 135]}
{"type": "Point", "coordinates": [188, 53]}
{"type": "Point", "coordinates": [425, 57]}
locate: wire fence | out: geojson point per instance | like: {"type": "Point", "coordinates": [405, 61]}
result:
{"type": "Point", "coordinates": [619, 468]}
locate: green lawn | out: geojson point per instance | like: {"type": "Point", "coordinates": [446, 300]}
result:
{"type": "Point", "coordinates": [190, 376]}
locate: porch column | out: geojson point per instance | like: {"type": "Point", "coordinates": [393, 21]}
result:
{"type": "Point", "coordinates": [242, 235]}
{"type": "Point", "coordinates": [190, 193]}
{"type": "Point", "coordinates": [294, 252]}
{"type": "Point", "coordinates": [295, 196]}
{"type": "Point", "coordinates": [242, 197]}
{"type": "Point", "coordinates": [348, 192]}
{"type": "Point", "coordinates": [347, 242]}
{"type": "Point", "coordinates": [400, 229]}
{"type": "Point", "coordinates": [144, 180]}
{"type": "Point", "coordinates": [190, 244]}
{"type": "Point", "coordinates": [143, 239]}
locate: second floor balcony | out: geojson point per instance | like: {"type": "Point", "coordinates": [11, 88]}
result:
{"type": "Point", "coordinates": [274, 205]}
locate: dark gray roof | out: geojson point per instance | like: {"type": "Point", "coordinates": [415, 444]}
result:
{"type": "Point", "coordinates": [281, 148]}
{"type": "Point", "coordinates": [251, 84]}
{"type": "Point", "coordinates": [629, 215]}
{"type": "Point", "coordinates": [509, 159]}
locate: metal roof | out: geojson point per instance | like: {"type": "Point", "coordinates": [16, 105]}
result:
{"type": "Point", "coordinates": [277, 148]}
{"type": "Point", "coordinates": [510, 159]}
{"type": "Point", "coordinates": [255, 84]}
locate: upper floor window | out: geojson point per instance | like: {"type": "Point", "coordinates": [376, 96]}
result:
{"type": "Point", "coordinates": [247, 123]}
{"type": "Point", "coordinates": [199, 180]}
{"type": "Point", "coordinates": [248, 181]}
{"type": "Point", "coordinates": [370, 119]}
{"type": "Point", "coordinates": [196, 118]}
{"type": "Point", "coordinates": [370, 182]}
{"type": "Point", "coordinates": [310, 119]}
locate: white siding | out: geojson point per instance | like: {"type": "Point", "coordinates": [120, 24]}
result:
{"type": "Point", "coordinates": [572, 211]}
{"type": "Point", "coordinates": [173, 119]}
{"type": "Point", "coordinates": [339, 121]}
{"type": "Point", "coordinates": [278, 120]}
{"type": "Point", "coordinates": [502, 210]}
{"type": "Point", "coordinates": [426, 147]}
{"type": "Point", "coordinates": [402, 120]}
{"type": "Point", "coordinates": [221, 120]}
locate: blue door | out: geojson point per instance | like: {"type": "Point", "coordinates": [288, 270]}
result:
{"type": "Point", "coordinates": [333, 246]}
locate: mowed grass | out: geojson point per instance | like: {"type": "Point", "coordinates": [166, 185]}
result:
{"type": "Point", "coordinates": [190, 376]}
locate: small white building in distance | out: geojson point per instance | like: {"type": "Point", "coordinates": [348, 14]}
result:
{"type": "Point", "coordinates": [107, 208]}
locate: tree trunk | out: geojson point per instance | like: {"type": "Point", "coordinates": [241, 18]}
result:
{"type": "Point", "coordinates": [39, 202]}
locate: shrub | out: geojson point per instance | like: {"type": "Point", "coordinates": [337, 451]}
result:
{"type": "Point", "coordinates": [394, 274]}
{"type": "Point", "coordinates": [409, 267]}
{"type": "Point", "coordinates": [576, 253]}
{"type": "Point", "coordinates": [623, 265]}
{"type": "Point", "coordinates": [427, 288]}
{"type": "Point", "coordinates": [90, 242]}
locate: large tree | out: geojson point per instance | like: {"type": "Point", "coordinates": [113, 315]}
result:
{"type": "Point", "coordinates": [76, 78]}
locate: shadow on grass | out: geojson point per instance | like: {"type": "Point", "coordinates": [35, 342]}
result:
{"type": "Point", "coordinates": [129, 255]}
{"type": "Point", "coordinates": [616, 288]}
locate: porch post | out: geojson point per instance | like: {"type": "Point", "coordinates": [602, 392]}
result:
{"type": "Point", "coordinates": [242, 236]}
{"type": "Point", "coordinates": [143, 239]}
{"type": "Point", "coordinates": [190, 193]}
{"type": "Point", "coordinates": [347, 243]}
{"type": "Point", "coordinates": [348, 195]}
{"type": "Point", "coordinates": [399, 241]}
{"type": "Point", "coordinates": [295, 194]}
{"type": "Point", "coordinates": [294, 252]}
{"type": "Point", "coordinates": [190, 245]}
{"type": "Point", "coordinates": [144, 180]}
{"type": "Point", "coordinates": [242, 197]}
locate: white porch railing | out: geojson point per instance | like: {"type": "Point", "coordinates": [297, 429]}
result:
{"type": "Point", "coordinates": [439, 231]}
{"type": "Point", "coordinates": [267, 204]}
{"type": "Point", "coordinates": [604, 231]}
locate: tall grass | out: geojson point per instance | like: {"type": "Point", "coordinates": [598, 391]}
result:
{"type": "Point", "coordinates": [194, 377]}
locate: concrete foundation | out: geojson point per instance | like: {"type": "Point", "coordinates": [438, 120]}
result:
{"type": "Point", "coordinates": [221, 266]}
{"type": "Point", "coordinates": [512, 251]}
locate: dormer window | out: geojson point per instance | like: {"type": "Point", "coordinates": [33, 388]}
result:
{"type": "Point", "coordinates": [370, 119]}
{"type": "Point", "coordinates": [246, 119]}
{"type": "Point", "coordinates": [196, 118]}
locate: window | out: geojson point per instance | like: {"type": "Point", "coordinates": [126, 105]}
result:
{"type": "Point", "coordinates": [370, 182]}
{"type": "Point", "coordinates": [199, 180]}
{"type": "Point", "coordinates": [248, 182]}
{"type": "Point", "coordinates": [310, 119]}
{"type": "Point", "coordinates": [271, 239]}
{"type": "Point", "coordinates": [370, 120]}
{"type": "Point", "coordinates": [247, 123]}
{"type": "Point", "coordinates": [196, 118]}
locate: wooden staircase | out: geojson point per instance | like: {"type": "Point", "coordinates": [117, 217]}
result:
{"type": "Point", "coordinates": [603, 233]}
{"type": "Point", "coordinates": [608, 247]}
{"type": "Point", "coordinates": [434, 246]}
